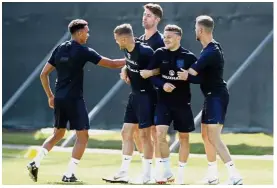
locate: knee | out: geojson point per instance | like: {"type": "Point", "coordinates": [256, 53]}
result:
{"type": "Point", "coordinates": [161, 136]}
{"type": "Point", "coordinates": [58, 134]}
{"type": "Point", "coordinates": [205, 136]}
{"type": "Point", "coordinates": [136, 133]}
{"type": "Point", "coordinates": [184, 137]}
{"type": "Point", "coordinates": [126, 133]}
{"type": "Point", "coordinates": [211, 138]}
{"type": "Point", "coordinates": [83, 138]}
{"type": "Point", "coordinates": [144, 134]}
{"type": "Point", "coordinates": [154, 133]}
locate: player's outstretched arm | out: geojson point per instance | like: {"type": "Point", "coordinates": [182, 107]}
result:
{"type": "Point", "coordinates": [153, 68]}
{"type": "Point", "coordinates": [92, 56]}
{"type": "Point", "coordinates": [44, 77]}
{"type": "Point", "coordinates": [189, 75]}
{"type": "Point", "coordinates": [111, 63]}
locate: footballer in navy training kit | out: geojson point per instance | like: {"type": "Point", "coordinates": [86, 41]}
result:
{"type": "Point", "coordinates": [174, 98]}
{"type": "Point", "coordinates": [155, 42]}
{"type": "Point", "coordinates": [210, 66]}
{"type": "Point", "coordinates": [69, 59]}
{"type": "Point", "coordinates": [140, 107]}
{"type": "Point", "coordinates": [152, 15]}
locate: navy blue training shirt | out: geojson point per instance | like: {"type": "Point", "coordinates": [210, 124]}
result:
{"type": "Point", "coordinates": [137, 60]}
{"type": "Point", "coordinates": [69, 59]}
{"type": "Point", "coordinates": [155, 41]}
{"type": "Point", "coordinates": [170, 62]}
{"type": "Point", "coordinates": [211, 65]}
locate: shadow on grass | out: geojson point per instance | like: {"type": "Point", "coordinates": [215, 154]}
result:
{"type": "Point", "coordinates": [65, 183]}
{"type": "Point", "coordinates": [198, 148]}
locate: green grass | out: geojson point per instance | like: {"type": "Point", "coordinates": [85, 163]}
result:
{"type": "Point", "coordinates": [243, 144]}
{"type": "Point", "coordinates": [95, 166]}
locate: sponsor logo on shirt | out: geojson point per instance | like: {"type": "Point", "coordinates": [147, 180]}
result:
{"type": "Point", "coordinates": [132, 70]}
{"type": "Point", "coordinates": [131, 61]}
{"type": "Point", "coordinates": [171, 75]}
{"type": "Point", "coordinates": [171, 72]}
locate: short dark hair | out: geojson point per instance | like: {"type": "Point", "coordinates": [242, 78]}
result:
{"type": "Point", "coordinates": [124, 29]}
{"type": "Point", "coordinates": [174, 28]}
{"type": "Point", "coordinates": [156, 9]}
{"type": "Point", "coordinates": [206, 21]}
{"type": "Point", "coordinates": [75, 25]}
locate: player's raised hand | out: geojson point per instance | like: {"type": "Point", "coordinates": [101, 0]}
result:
{"type": "Point", "coordinates": [183, 75]}
{"type": "Point", "coordinates": [168, 87]}
{"type": "Point", "coordinates": [51, 101]}
{"type": "Point", "coordinates": [146, 73]}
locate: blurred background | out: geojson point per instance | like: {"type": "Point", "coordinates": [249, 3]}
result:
{"type": "Point", "coordinates": [31, 31]}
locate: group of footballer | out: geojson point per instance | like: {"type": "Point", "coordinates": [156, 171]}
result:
{"type": "Point", "coordinates": [159, 71]}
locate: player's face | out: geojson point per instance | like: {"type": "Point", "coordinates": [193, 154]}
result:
{"type": "Point", "coordinates": [149, 20]}
{"type": "Point", "coordinates": [83, 34]}
{"type": "Point", "coordinates": [198, 32]}
{"type": "Point", "coordinates": [171, 39]}
{"type": "Point", "coordinates": [121, 41]}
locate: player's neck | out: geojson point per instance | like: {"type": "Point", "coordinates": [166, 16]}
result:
{"type": "Point", "coordinates": [131, 46]}
{"type": "Point", "coordinates": [76, 40]}
{"type": "Point", "coordinates": [207, 40]}
{"type": "Point", "coordinates": [175, 48]}
{"type": "Point", "coordinates": [150, 32]}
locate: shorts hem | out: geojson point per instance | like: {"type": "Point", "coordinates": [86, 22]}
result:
{"type": "Point", "coordinates": [212, 122]}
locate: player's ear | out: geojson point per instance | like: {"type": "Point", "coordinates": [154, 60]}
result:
{"type": "Point", "coordinates": [123, 40]}
{"type": "Point", "coordinates": [79, 33]}
{"type": "Point", "coordinates": [201, 30]}
{"type": "Point", "coordinates": [158, 20]}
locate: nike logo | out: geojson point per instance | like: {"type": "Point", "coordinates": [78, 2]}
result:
{"type": "Point", "coordinates": [239, 182]}
{"type": "Point", "coordinates": [212, 181]}
{"type": "Point", "coordinates": [210, 119]}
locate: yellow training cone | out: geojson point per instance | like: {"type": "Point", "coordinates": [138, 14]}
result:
{"type": "Point", "coordinates": [31, 153]}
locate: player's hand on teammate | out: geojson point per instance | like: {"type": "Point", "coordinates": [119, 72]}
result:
{"type": "Point", "coordinates": [125, 78]}
{"type": "Point", "coordinates": [168, 87]}
{"type": "Point", "coordinates": [51, 101]}
{"type": "Point", "coordinates": [183, 75]}
{"type": "Point", "coordinates": [123, 75]}
{"type": "Point", "coordinates": [146, 73]}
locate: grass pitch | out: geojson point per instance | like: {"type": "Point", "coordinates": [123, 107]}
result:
{"type": "Point", "coordinates": [95, 166]}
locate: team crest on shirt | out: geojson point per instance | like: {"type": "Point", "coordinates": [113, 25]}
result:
{"type": "Point", "coordinates": [180, 63]}
{"type": "Point", "coordinates": [171, 73]}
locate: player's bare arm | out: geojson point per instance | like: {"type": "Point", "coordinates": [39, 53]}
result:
{"type": "Point", "coordinates": [112, 63]}
{"type": "Point", "coordinates": [44, 77]}
{"type": "Point", "coordinates": [184, 74]}
{"type": "Point", "coordinates": [192, 72]}
{"type": "Point", "coordinates": [148, 73]}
